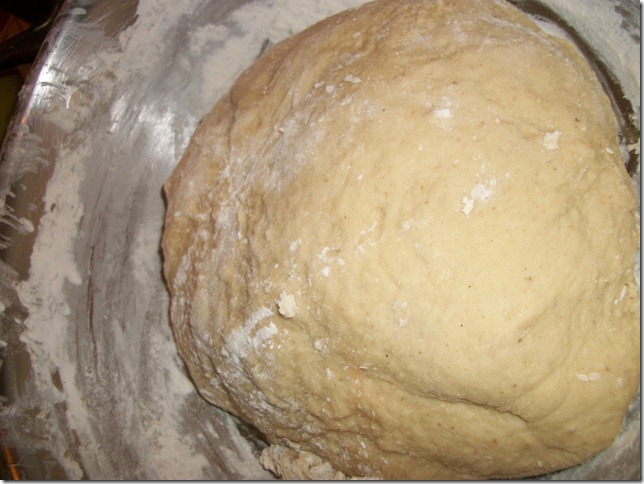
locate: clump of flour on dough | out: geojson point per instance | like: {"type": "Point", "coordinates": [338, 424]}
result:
{"type": "Point", "coordinates": [551, 140]}
{"type": "Point", "coordinates": [287, 305]}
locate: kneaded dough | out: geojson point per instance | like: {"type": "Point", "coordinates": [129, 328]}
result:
{"type": "Point", "coordinates": [403, 242]}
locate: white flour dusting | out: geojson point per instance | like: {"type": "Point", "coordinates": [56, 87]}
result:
{"type": "Point", "coordinates": [551, 140]}
{"type": "Point", "coordinates": [105, 369]}
{"type": "Point", "coordinates": [603, 26]}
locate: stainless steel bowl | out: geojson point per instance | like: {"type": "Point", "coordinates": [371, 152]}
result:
{"type": "Point", "coordinates": [92, 383]}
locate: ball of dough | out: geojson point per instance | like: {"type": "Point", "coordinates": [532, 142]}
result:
{"type": "Point", "coordinates": [403, 243]}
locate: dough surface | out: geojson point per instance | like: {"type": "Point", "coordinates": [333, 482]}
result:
{"type": "Point", "coordinates": [403, 242]}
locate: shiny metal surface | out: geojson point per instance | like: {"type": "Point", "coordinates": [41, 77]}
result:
{"type": "Point", "coordinates": [125, 130]}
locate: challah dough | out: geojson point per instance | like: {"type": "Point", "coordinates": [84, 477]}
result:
{"type": "Point", "coordinates": [403, 242]}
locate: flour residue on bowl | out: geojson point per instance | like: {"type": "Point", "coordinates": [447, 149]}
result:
{"type": "Point", "coordinates": [109, 393]}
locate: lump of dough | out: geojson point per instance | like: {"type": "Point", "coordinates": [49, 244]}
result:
{"type": "Point", "coordinates": [403, 242]}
